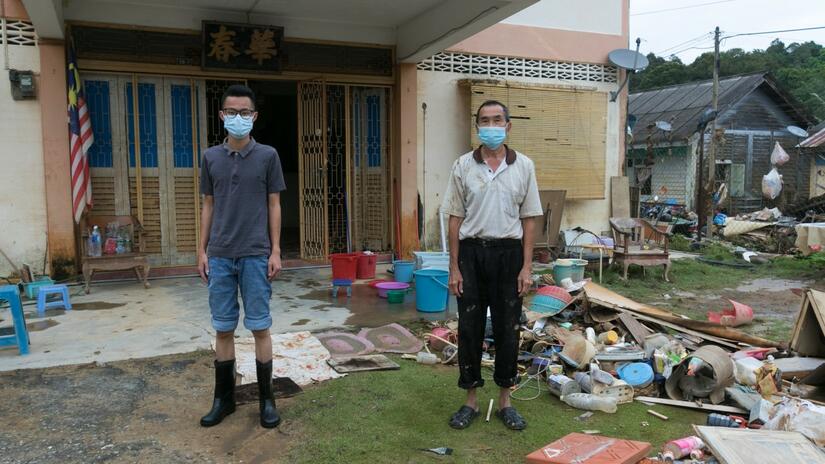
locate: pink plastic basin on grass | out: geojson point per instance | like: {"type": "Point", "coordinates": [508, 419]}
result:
{"type": "Point", "coordinates": [383, 287]}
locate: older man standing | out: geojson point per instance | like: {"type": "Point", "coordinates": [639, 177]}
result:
{"type": "Point", "coordinates": [492, 198]}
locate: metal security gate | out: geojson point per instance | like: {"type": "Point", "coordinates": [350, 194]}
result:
{"type": "Point", "coordinates": [344, 152]}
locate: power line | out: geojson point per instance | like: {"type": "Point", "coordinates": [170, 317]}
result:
{"type": "Point", "coordinates": [687, 42]}
{"type": "Point", "coordinates": [680, 8]}
{"type": "Point", "coordinates": [774, 32]}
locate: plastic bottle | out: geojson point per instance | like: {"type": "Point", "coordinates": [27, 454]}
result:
{"type": "Point", "coordinates": [97, 245]}
{"type": "Point", "coordinates": [590, 335]}
{"type": "Point", "coordinates": [608, 338]}
{"type": "Point", "coordinates": [683, 446]}
{"type": "Point", "coordinates": [590, 402]}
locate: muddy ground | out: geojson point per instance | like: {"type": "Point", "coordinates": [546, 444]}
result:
{"type": "Point", "coordinates": [132, 411]}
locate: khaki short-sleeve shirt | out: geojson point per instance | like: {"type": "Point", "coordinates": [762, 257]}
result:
{"type": "Point", "coordinates": [492, 203]}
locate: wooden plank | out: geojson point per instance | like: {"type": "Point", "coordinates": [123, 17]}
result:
{"type": "Point", "coordinates": [599, 295]}
{"type": "Point", "coordinates": [691, 405]}
{"type": "Point", "coordinates": [637, 330]}
{"type": "Point", "coordinates": [370, 362]}
{"type": "Point", "coordinates": [552, 202]}
{"type": "Point", "coordinates": [798, 367]}
{"type": "Point", "coordinates": [619, 196]}
{"type": "Point", "coordinates": [746, 446]}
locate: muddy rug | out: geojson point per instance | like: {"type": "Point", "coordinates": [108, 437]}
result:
{"type": "Point", "coordinates": [392, 338]}
{"type": "Point", "coordinates": [341, 344]}
{"type": "Point", "coordinates": [282, 387]}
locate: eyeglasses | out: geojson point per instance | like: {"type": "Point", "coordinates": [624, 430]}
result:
{"type": "Point", "coordinates": [246, 114]}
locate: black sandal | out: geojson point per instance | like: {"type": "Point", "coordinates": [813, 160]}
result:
{"type": "Point", "coordinates": [463, 417]}
{"type": "Point", "coordinates": [511, 418]}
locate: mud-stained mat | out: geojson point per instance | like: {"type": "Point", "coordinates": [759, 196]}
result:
{"type": "Point", "coordinates": [392, 338]}
{"type": "Point", "coordinates": [282, 387]}
{"type": "Point", "coordinates": [373, 362]}
{"type": "Point", "coordinates": [341, 344]}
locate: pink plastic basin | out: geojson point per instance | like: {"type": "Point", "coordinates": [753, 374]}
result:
{"type": "Point", "coordinates": [383, 287]}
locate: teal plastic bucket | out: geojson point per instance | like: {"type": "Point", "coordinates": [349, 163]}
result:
{"type": "Point", "coordinates": [569, 269]}
{"type": "Point", "coordinates": [403, 271]}
{"type": "Point", "coordinates": [431, 290]}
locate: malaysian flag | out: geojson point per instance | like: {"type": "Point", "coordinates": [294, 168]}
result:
{"type": "Point", "coordinates": [81, 138]}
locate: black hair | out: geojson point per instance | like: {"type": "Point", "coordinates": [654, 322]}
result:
{"type": "Point", "coordinates": [494, 103]}
{"type": "Point", "coordinates": [238, 90]}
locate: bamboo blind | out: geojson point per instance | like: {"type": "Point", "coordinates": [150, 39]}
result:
{"type": "Point", "coordinates": [562, 130]}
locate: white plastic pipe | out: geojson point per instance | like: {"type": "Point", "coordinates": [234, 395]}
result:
{"type": "Point", "coordinates": [443, 232]}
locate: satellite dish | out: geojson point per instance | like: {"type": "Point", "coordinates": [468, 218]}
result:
{"type": "Point", "coordinates": [797, 131]}
{"type": "Point", "coordinates": [628, 59]}
{"type": "Point", "coordinates": [664, 126]}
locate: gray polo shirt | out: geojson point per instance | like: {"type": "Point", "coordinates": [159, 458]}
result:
{"type": "Point", "coordinates": [492, 203]}
{"type": "Point", "coordinates": [240, 183]}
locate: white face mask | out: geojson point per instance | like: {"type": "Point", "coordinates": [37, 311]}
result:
{"type": "Point", "coordinates": [237, 126]}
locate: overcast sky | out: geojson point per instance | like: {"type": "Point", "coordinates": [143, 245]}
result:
{"type": "Point", "coordinates": [671, 26]}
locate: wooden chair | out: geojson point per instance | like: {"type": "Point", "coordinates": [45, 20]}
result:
{"type": "Point", "coordinates": [136, 260]}
{"type": "Point", "coordinates": [638, 242]}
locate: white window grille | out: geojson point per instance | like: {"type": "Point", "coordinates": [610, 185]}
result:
{"type": "Point", "coordinates": [16, 32]}
{"type": "Point", "coordinates": [502, 66]}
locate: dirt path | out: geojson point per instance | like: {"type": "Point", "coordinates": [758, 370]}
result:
{"type": "Point", "coordinates": [133, 411]}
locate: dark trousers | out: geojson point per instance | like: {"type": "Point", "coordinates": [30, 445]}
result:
{"type": "Point", "coordinates": [490, 270]}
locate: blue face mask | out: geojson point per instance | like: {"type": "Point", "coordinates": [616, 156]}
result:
{"type": "Point", "coordinates": [237, 126]}
{"type": "Point", "coordinates": [492, 136]}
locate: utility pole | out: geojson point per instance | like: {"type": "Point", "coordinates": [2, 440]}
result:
{"type": "Point", "coordinates": [713, 142]}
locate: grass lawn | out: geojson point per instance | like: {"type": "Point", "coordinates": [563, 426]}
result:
{"type": "Point", "coordinates": [388, 416]}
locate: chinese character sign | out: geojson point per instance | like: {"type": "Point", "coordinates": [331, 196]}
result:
{"type": "Point", "coordinates": [241, 46]}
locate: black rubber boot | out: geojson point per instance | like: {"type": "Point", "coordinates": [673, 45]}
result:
{"type": "Point", "coordinates": [269, 415]}
{"type": "Point", "coordinates": [224, 402]}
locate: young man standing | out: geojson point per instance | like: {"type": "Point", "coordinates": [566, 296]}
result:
{"type": "Point", "coordinates": [492, 198]}
{"type": "Point", "coordinates": [241, 181]}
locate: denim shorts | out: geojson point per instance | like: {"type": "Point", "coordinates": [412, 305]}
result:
{"type": "Point", "coordinates": [226, 275]}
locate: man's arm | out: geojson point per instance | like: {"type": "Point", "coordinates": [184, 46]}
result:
{"type": "Point", "coordinates": [206, 226]}
{"type": "Point", "coordinates": [274, 206]}
{"type": "Point", "coordinates": [456, 281]}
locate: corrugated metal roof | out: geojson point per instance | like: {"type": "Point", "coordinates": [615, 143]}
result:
{"type": "Point", "coordinates": [682, 105]}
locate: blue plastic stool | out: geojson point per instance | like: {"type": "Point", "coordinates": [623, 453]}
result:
{"type": "Point", "coordinates": [46, 290]}
{"type": "Point", "coordinates": [338, 284]}
{"type": "Point", "coordinates": [21, 335]}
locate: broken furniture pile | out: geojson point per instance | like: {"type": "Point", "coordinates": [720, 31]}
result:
{"type": "Point", "coordinates": [597, 350]}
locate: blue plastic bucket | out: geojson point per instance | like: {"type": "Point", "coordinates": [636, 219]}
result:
{"type": "Point", "coordinates": [403, 271]}
{"type": "Point", "coordinates": [431, 290]}
{"type": "Point", "coordinates": [569, 269]}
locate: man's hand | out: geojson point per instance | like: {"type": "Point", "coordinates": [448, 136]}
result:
{"type": "Point", "coordinates": [203, 266]}
{"type": "Point", "coordinates": [525, 281]}
{"type": "Point", "coordinates": [456, 282]}
{"type": "Point", "coordinates": [274, 266]}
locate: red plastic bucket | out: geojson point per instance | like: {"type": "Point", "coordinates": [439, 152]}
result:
{"type": "Point", "coordinates": [344, 265]}
{"type": "Point", "coordinates": [366, 266]}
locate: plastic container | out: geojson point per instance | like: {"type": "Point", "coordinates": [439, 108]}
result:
{"type": "Point", "coordinates": [403, 271]}
{"type": "Point", "coordinates": [366, 266]}
{"type": "Point", "coordinates": [396, 296]}
{"type": "Point", "coordinates": [96, 243]}
{"type": "Point", "coordinates": [590, 402]}
{"type": "Point", "coordinates": [426, 358]}
{"type": "Point", "coordinates": [561, 385]}
{"type": "Point", "coordinates": [637, 375]}
{"type": "Point", "coordinates": [572, 269]}
{"type": "Point", "coordinates": [32, 288]}
{"type": "Point", "coordinates": [344, 266]}
{"type": "Point", "coordinates": [432, 260]}
{"type": "Point", "coordinates": [431, 288]}
{"type": "Point", "coordinates": [608, 338]}
{"type": "Point", "coordinates": [683, 446]}
{"type": "Point", "coordinates": [384, 287]}
{"type": "Point", "coordinates": [745, 372]}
